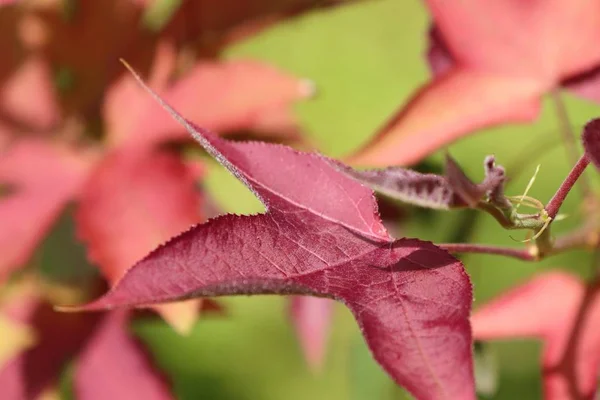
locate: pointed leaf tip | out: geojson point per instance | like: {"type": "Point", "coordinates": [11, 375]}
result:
{"type": "Point", "coordinates": [591, 141]}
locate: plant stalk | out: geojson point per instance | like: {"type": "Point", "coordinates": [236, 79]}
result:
{"type": "Point", "coordinates": [582, 238]}
{"type": "Point", "coordinates": [559, 197]}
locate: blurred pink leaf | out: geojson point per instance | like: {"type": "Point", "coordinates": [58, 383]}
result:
{"type": "Point", "coordinates": [126, 94]}
{"type": "Point", "coordinates": [496, 59]}
{"type": "Point", "coordinates": [312, 320]}
{"type": "Point", "coordinates": [225, 96]}
{"type": "Point", "coordinates": [39, 180]}
{"type": "Point", "coordinates": [28, 96]}
{"type": "Point", "coordinates": [133, 202]}
{"type": "Point", "coordinates": [321, 236]}
{"type": "Point", "coordinates": [113, 365]}
{"type": "Point", "coordinates": [559, 310]}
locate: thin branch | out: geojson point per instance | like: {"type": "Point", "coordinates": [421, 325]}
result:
{"type": "Point", "coordinates": [554, 204]}
{"type": "Point", "coordinates": [568, 137]}
{"type": "Point", "coordinates": [582, 238]}
{"type": "Point", "coordinates": [521, 254]}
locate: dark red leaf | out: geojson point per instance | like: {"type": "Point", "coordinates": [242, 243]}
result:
{"type": "Point", "coordinates": [60, 336]}
{"type": "Point", "coordinates": [113, 365]}
{"type": "Point", "coordinates": [559, 310]}
{"type": "Point", "coordinates": [321, 236]}
{"type": "Point", "coordinates": [133, 202]}
{"type": "Point", "coordinates": [430, 190]}
{"type": "Point", "coordinates": [39, 180]}
{"type": "Point", "coordinates": [408, 186]}
{"type": "Point", "coordinates": [591, 141]}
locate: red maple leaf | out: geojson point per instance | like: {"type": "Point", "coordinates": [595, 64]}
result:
{"type": "Point", "coordinates": [496, 60]}
{"type": "Point", "coordinates": [321, 236]}
{"type": "Point", "coordinates": [126, 180]}
{"type": "Point", "coordinates": [560, 310]}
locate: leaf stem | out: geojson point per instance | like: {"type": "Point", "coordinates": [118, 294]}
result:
{"type": "Point", "coordinates": [582, 238]}
{"type": "Point", "coordinates": [521, 254]}
{"type": "Point", "coordinates": [554, 204]}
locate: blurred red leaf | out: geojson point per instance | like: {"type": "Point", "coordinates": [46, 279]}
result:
{"type": "Point", "coordinates": [11, 54]}
{"type": "Point", "coordinates": [60, 336]}
{"type": "Point", "coordinates": [320, 236]}
{"type": "Point", "coordinates": [586, 85]}
{"type": "Point", "coordinates": [133, 202]}
{"type": "Point", "coordinates": [39, 180]}
{"type": "Point", "coordinates": [498, 59]}
{"type": "Point", "coordinates": [312, 320]}
{"type": "Point", "coordinates": [225, 96]}
{"type": "Point", "coordinates": [558, 309]}
{"type": "Point", "coordinates": [86, 45]}
{"type": "Point", "coordinates": [113, 365]}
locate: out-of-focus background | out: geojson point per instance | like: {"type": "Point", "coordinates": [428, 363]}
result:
{"type": "Point", "coordinates": [363, 59]}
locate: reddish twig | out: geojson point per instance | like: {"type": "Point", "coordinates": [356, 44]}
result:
{"type": "Point", "coordinates": [521, 254]}
{"type": "Point", "coordinates": [554, 204]}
